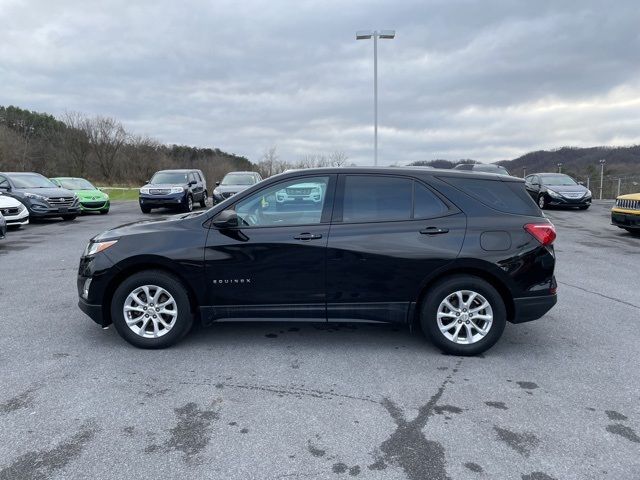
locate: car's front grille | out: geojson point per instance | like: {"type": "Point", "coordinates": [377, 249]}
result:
{"type": "Point", "coordinates": [628, 204]}
{"type": "Point", "coordinates": [159, 191]}
{"type": "Point", "coordinates": [298, 191]}
{"type": "Point", "coordinates": [60, 201]}
{"type": "Point", "coordinates": [93, 204]}
{"type": "Point", "coordinates": [572, 194]}
{"type": "Point", "coordinates": [9, 211]}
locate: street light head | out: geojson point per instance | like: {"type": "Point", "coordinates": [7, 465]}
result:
{"type": "Point", "coordinates": [364, 34]}
{"type": "Point", "coordinates": [389, 34]}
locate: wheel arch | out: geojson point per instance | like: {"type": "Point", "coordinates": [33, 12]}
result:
{"type": "Point", "coordinates": [484, 272]}
{"type": "Point", "coordinates": [139, 264]}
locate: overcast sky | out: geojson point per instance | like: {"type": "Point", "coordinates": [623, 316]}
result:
{"type": "Point", "coordinates": [487, 80]}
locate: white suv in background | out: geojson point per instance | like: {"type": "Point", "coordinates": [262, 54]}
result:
{"type": "Point", "coordinates": [14, 212]}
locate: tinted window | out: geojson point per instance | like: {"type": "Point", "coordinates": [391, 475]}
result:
{"type": "Point", "coordinates": [32, 180]}
{"type": "Point", "coordinates": [238, 179]}
{"type": "Point", "coordinates": [169, 178]}
{"type": "Point", "coordinates": [559, 180]}
{"type": "Point", "coordinates": [4, 183]}
{"type": "Point", "coordinates": [376, 198]}
{"type": "Point", "coordinates": [293, 202]}
{"type": "Point", "coordinates": [192, 177]}
{"type": "Point", "coordinates": [508, 197]}
{"type": "Point", "coordinates": [426, 203]}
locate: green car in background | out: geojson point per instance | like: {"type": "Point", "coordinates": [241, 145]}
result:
{"type": "Point", "coordinates": [91, 199]}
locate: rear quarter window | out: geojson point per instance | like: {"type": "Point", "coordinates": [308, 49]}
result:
{"type": "Point", "coordinates": [507, 197]}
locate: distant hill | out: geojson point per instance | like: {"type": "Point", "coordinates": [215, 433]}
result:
{"type": "Point", "coordinates": [578, 161]}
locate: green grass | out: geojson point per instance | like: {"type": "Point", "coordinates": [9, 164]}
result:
{"type": "Point", "coordinates": [122, 194]}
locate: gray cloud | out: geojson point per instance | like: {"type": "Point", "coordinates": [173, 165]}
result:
{"type": "Point", "coordinates": [463, 79]}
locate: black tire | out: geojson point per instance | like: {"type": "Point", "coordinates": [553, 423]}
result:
{"type": "Point", "coordinates": [172, 285]}
{"type": "Point", "coordinates": [445, 288]}
{"type": "Point", "coordinates": [145, 209]}
{"type": "Point", "coordinates": [203, 202]}
{"type": "Point", "coordinates": [583, 207]}
{"type": "Point", "coordinates": [68, 218]}
{"type": "Point", "coordinates": [188, 204]}
{"type": "Point", "coordinates": [104, 212]}
{"type": "Point", "coordinates": [633, 231]}
{"type": "Point", "coordinates": [542, 201]}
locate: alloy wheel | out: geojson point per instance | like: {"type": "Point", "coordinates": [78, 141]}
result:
{"type": "Point", "coordinates": [150, 311]}
{"type": "Point", "coordinates": [465, 317]}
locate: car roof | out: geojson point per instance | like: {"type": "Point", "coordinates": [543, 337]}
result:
{"type": "Point", "coordinates": [549, 174]}
{"type": "Point", "coordinates": [407, 170]}
{"type": "Point", "coordinates": [21, 173]}
{"type": "Point", "coordinates": [179, 170]}
{"type": "Point", "coordinates": [243, 171]}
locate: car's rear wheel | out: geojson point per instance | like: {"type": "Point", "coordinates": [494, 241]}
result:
{"type": "Point", "coordinates": [463, 315]}
{"type": "Point", "coordinates": [542, 202]}
{"type": "Point", "coordinates": [151, 309]}
{"type": "Point", "coordinates": [203, 202]}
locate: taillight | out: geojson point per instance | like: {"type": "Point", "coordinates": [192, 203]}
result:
{"type": "Point", "coordinates": [545, 233]}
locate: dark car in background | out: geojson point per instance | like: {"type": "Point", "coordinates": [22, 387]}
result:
{"type": "Point", "coordinates": [482, 168]}
{"type": "Point", "coordinates": [41, 196]}
{"type": "Point", "coordinates": [557, 190]}
{"type": "Point", "coordinates": [458, 254]}
{"type": "Point", "coordinates": [234, 182]}
{"type": "Point", "coordinates": [176, 189]}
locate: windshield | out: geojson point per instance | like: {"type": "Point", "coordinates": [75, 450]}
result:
{"type": "Point", "coordinates": [76, 184]}
{"type": "Point", "coordinates": [238, 179]}
{"type": "Point", "coordinates": [178, 178]}
{"type": "Point", "coordinates": [491, 169]}
{"type": "Point", "coordinates": [32, 180]}
{"type": "Point", "coordinates": [559, 180]}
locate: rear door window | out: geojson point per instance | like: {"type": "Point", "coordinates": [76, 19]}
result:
{"type": "Point", "coordinates": [426, 204]}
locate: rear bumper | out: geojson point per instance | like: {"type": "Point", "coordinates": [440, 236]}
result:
{"type": "Point", "coordinates": [625, 220]}
{"type": "Point", "coordinates": [532, 308]}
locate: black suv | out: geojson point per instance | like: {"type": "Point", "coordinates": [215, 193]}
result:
{"type": "Point", "coordinates": [177, 189]}
{"type": "Point", "coordinates": [459, 254]}
{"type": "Point", "coordinates": [42, 197]}
{"type": "Point", "coordinates": [557, 190]}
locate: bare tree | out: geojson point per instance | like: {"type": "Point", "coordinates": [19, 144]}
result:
{"type": "Point", "coordinates": [268, 163]}
{"type": "Point", "coordinates": [107, 137]}
{"type": "Point", "coordinates": [75, 142]}
{"type": "Point", "coordinates": [338, 159]}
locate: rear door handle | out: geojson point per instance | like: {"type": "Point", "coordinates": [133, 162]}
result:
{"type": "Point", "coordinates": [433, 231]}
{"type": "Point", "coordinates": [308, 236]}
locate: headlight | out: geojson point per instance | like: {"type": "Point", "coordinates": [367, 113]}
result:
{"type": "Point", "coordinates": [588, 194]}
{"type": "Point", "coordinates": [145, 190]}
{"type": "Point", "coordinates": [554, 194]}
{"type": "Point", "coordinates": [177, 189]}
{"type": "Point", "coordinates": [35, 196]}
{"type": "Point", "coordinates": [216, 191]}
{"type": "Point", "coordinates": [21, 208]}
{"type": "Point", "coordinates": [97, 247]}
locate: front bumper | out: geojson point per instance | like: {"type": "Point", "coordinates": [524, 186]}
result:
{"type": "Point", "coordinates": [40, 209]}
{"type": "Point", "coordinates": [3, 228]}
{"type": "Point", "coordinates": [532, 308]}
{"type": "Point", "coordinates": [625, 220]}
{"type": "Point", "coordinates": [94, 312]}
{"type": "Point", "coordinates": [20, 219]}
{"type": "Point", "coordinates": [95, 206]}
{"type": "Point", "coordinates": [568, 202]}
{"type": "Point", "coordinates": [162, 201]}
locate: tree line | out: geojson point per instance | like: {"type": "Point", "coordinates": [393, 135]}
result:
{"type": "Point", "coordinates": [98, 148]}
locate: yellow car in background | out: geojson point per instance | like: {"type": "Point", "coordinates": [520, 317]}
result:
{"type": "Point", "coordinates": [626, 213]}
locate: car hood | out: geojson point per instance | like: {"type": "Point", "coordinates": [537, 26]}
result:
{"type": "Point", "coordinates": [86, 195]}
{"type": "Point", "coordinates": [8, 202]}
{"type": "Point", "coordinates": [145, 226]}
{"type": "Point", "coordinates": [232, 188]}
{"type": "Point", "coordinates": [567, 188]}
{"type": "Point", "coordinates": [47, 192]}
{"type": "Point", "coordinates": [628, 196]}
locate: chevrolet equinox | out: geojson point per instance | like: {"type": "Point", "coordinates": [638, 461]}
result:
{"type": "Point", "coordinates": [456, 253]}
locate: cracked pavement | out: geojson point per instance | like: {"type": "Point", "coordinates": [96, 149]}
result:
{"type": "Point", "coordinates": [558, 398]}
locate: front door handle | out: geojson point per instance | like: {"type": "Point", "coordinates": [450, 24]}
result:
{"type": "Point", "coordinates": [308, 236]}
{"type": "Point", "coordinates": [433, 231]}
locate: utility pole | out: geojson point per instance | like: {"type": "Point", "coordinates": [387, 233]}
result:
{"type": "Point", "coordinates": [602, 162]}
{"type": "Point", "coordinates": [524, 172]}
{"type": "Point", "coordinates": [559, 167]}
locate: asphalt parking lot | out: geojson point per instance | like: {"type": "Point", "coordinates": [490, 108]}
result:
{"type": "Point", "coordinates": [558, 398]}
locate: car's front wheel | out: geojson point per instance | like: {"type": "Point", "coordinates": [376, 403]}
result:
{"type": "Point", "coordinates": [203, 202]}
{"type": "Point", "coordinates": [188, 204]}
{"type": "Point", "coordinates": [463, 315]}
{"type": "Point", "coordinates": [542, 202]}
{"type": "Point", "coordinates": [69, 217]}
{"type": "Point", "coordinates": [151, 309]}
{"type": "Point", "coordinates": [633, 231]}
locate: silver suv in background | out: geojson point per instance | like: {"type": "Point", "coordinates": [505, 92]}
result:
{"type": "Point", "coordinates": [234, 182]}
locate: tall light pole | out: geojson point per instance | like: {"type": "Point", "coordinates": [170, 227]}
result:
{"type": "Point", "coordinates": [602, 162]}
{"type": "Point", "coordinates": [559, 167]}
{"type": "Point", "coordinates": [366, 35]}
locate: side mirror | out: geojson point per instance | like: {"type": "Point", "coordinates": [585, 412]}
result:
{"type": "Point", "coordinates": [581, 183]}
{"type": "Point", "coordinates": [5, 189]}
{"type": "Point", "coordinates": [192, 183]}
{"type": "Point", "coordinates": [226, 219]}
{"type": "Point", "coordinates": [217, 184]}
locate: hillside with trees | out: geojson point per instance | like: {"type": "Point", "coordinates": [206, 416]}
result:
{"type": "Point", "coordinates": [98, 148]}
